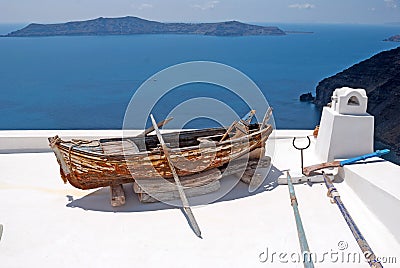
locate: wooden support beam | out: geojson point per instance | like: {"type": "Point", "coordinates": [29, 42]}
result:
{"type": "Point", "coordinates": [158, 185]}
{"type": "Point", "coordinates": [174, 195]}
{"type": "Point", "coordinates": [248, 175]}
{"type": "Point", "coordinates": [238, 166]}
{"type": "Point", "coordinates": [252, 174]}
{"type": "Point", "coordinates": [117, 195]}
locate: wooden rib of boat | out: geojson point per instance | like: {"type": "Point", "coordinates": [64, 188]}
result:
{"type": "Point", "coordinates": [110, 162]}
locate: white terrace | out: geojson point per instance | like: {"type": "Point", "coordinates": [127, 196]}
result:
{"type": "Point", "coordinates": [49, 224]}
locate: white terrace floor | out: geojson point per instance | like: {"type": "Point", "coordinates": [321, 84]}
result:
{"type": "Point", "coordinates": [49, 224]}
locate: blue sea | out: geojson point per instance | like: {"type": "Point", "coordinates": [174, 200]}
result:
{"type": "Point", "coordinates": [86, 82]}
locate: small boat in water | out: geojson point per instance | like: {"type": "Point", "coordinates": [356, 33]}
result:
{"type": "Point", "coordinates": [114, 161]}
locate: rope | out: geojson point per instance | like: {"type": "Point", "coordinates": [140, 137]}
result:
{"type": "Point", "coordinates": [332, 193]}
{"type": "Point", "coordinates": [79, 142]}
{"type": "Point", "coordinates": [293, 200]}
{"type": "Point", "coordinates": [75, 142]}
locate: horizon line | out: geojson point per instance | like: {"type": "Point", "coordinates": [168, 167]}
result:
{"type": "Point", "coordinates": [393, 23]}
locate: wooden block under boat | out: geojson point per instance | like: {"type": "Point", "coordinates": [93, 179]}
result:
{"type": "Point", "coordinates": [117, 195]}
{"type": "Point", "coordinates": [251, 174]}
{"type": "Point", "coordinates": [242, 164]}
{"type": "Point", "coordinates": [257, 153]}
{"type": "Point", "coordinates": [173, 195]}
{"type": "Point", "coordinates": [163, 185]}
{"type": "Point", "coordinates": [164, 190]}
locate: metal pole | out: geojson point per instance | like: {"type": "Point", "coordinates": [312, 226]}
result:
{"type": "Point", "coordinates": [305, 251]}
{"type": "Point", "coordinates": [362, 243]}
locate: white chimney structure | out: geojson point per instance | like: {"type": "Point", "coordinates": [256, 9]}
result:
{"type": "Point", "coordinates": [346, 129]}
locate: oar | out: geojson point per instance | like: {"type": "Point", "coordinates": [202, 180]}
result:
{"type": "Point", "coordinates": [182, 194]}
{"type": "Point", "coordinates": [300, 230]}
{"type": "Point", "coordinates": [362, 243]}
{"type": "Point", "coordinates": [150, 129]}
{"type": "Point", "coordinates": [308, 170]}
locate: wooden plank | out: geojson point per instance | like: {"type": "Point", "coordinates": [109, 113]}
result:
{"type": "Point", "coordinates": [119, 147]}
{"type": "Point", "coordinates": [310, 169]}
{"type": "Point", "coordinates": [182, 195]}
{"type": "Point", "coordinates": [163, 185]}
{"type": "Point", "coordinates": [252, 174]}
{"type": "Point", "coordinates": [242, 164]}
{"type": "Point", "coordinates": [117, 195]}
{"type": "Point", "coordinates": [257, 153]}
{"type": "Point", "coordinates": [174, 195]}
{"type": "Point", "coordinates": [261, 163]}
{"type": "Point", "coordinates": [234, 166]}
{"type": "Point", "coordinates": [248, 175]}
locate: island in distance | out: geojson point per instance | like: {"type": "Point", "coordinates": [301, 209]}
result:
{"type": "Point", "coordinates": [134, 25]}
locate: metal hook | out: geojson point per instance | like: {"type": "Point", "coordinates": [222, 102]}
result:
{"type": "Point", "coordinates": [301, 150]}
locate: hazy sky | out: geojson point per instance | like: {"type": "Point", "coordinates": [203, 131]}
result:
{"type": "Point", "coordinates": [325, 11]}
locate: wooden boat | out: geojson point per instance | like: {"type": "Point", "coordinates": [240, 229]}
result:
{"type": "Point", "coordinates": [115, 161]}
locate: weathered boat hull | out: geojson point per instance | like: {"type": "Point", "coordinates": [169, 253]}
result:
{"type": "Point", "coordinates": [107, 162]}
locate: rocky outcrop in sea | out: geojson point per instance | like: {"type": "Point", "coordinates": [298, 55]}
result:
{"type": "Point", "coordinates": [307, 97]}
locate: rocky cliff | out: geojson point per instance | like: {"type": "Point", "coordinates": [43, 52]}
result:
{"type": "Point", "coordinates": [134, 25]}
{"type": "Point", "coordinates": [380, 77]}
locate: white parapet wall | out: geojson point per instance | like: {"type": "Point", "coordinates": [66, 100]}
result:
{"type": "Point", "coordinates": [36, 141]}
{"type": "Point", "coordinates": [376, 182]}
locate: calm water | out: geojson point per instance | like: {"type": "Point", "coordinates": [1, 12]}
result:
{"type": "Point", "coordinates": [87, 82]}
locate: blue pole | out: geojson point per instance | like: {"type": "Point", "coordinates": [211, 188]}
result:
{"type": "Point", "coordinates": [377, 153]}
{"type": "Point", "coordinates": [305, 251]}
{"type": "Point", "coordinates": [362, 243]}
